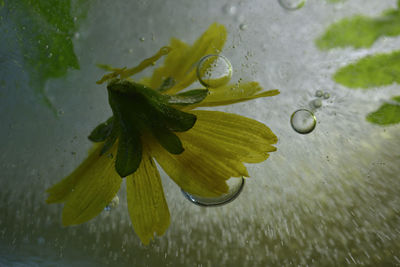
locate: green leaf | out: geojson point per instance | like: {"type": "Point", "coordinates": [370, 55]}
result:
{"type": "Point", "coordinates": [188, 98]}
{"type": "Point", "coordinates": [152, 106]}
{"type": "Point", "coordinates": [388, 113]}
{"type": "Point", "coordinates": [110, 139]}
{"type": "Point", "coordinates": [371, 71]}
{"type": "Point", "coordinates": [44, 32]}
{"type": "Point", "coordinates": [129, 152]}
{"type": "Point", "coordinates": [168, 140]}
{"type": "Point", "coordinates": [360, 31]}
{"type": "Point", "coordinates": [102, 131]}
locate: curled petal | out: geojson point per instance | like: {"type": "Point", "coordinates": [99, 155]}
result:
{"type": "Point", "coordinates": [234, 93]}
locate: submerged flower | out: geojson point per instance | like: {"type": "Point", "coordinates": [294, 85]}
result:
{"type": "Point", "coordinates": [152, 119]}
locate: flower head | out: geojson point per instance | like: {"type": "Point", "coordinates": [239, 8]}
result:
{"type": "Point", "coordinates": [153, 120]}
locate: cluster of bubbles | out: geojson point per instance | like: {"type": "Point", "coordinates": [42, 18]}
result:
{"type": "Point", "coordinates": [303, 120]}
{"type": "Point", "coordinates": [235, 188]}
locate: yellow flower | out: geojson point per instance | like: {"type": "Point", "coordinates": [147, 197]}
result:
{"type": "Point", "coordinates": [200, 150]}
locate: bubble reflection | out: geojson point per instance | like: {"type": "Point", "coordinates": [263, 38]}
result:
{"type": "Point", "coordinates": [235, 188]}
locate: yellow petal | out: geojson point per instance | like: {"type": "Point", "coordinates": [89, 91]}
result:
{"type": "Point", "coordinates": [192, 171]}
{"type": "Point", "coordinates": [233, 135]}
{"type": "Point", "coordinates": [181, 62]}
{"type": "Point", "coordinates": [146, 202]}
{"type": "Point", "coordinates": [234, 93]}
{"type": "Point", "coordinates": [95, 183]}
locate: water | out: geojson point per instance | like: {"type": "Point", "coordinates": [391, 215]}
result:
{"type": "Point", "coordinates": [329, 198]}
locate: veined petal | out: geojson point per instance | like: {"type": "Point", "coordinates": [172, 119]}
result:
{"type": "Point", "coordinates": [234, 93]}
{"type": "Point", "coordinates": [232, 136]}
{"type": "Point", "coordinates": [95, 184]}
{"type": "Point", "coordinates": [181, 62]}
{"type": "Point", "coordinates": [192, 171]}
{"type": "Point", "coordinates": [147, 206]}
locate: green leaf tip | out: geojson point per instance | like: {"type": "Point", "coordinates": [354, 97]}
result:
{"type": "Point", "coordinates": [360, 31]}
{"type": "Point", "coordinates": [371, 71]}
{"type": "Point", "coordinates": [387, 114]}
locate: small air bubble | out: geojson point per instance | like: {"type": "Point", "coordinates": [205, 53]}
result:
{"type": "Point", "coordinates": [214, 71]}
{"type": "Point", "coordinates": [319, 93]}
{"type": "Point", "coordinates": [50, 55]}
{"type": "Point", "coordinates": [303, 121]}
{"type": "Point", "coordinates": [317, 103]}
{"type": "Point", "coordinates": [229, 9]}
{"type": "Point", "coordinates": [292, 4]}
{"type": "Point", "coordinates": [242, 26]}
{"type": "Point", "coordinates": [142, 39]}
{"type": "Point", "coordinates": [327, 95]}
{"type": "Point", "coordinates": [235, 188]}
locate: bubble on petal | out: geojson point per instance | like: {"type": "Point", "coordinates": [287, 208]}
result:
{"type": "Point", "coordinates": [292, 4]}
{"type": "Point", "coordinates": [235, 188]}
{"type": "Point", "coordinates": [214, 71]}
{"type": "Point", "coordinates": [303, 121]}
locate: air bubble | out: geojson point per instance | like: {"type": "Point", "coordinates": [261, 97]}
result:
{"type": "Point", "coordinates": [292, 4]}
{"type": "Point", "coordinates": [214, 71]}
{"type": "Point", "coordinates": [229, 9]}
{"type": "Point", "coordinates": [235, 188]}
{"type": "Point", "coordinates": [242, 26]}
{"type": "Point", "coordinates": [114, 202]}
{"type": "Point", "coordinates": [303, 121]}
{"type": "Point", "coordinates": [142, 39]}
{"type": "Point", "coordinates": [319, 93]}
{"type": "Point", "coordinates": [327, 95]}
{"type": "Point", "coordinates": [317, 103]}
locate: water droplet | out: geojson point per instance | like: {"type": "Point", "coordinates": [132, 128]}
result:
{"type": "Point", "coordinates": [47, 46]}
{"type": "Point", "coordinates": [114, 202]}
{"type": "Point", "coordinates": [292, 4]}
{"type": "Point", "coordinates": [317, 103]}
{"type": "Point", "coordinates": [229, 9]}
{"type": "Point", "coordinates": [60, 112]}
{"type": "Point", "coordinates": [327, 95]}
{"type": "Point", "coordinates": [142, 39]}
{"type": "Point", "coordinates": [75, 18]}
{"type": "Point", "coordinates": [131, 50]}
{"type": "Point", "coordinates": [319, 93]}
{"type": "Point", "coordinates": [235, 188]}
{"type": "Point", "coordinates": [214, 71]}
{"type": "Point", "coordinates": [303, 121]}
{"type": "Point", "coordinates": [77, 35]}
{"type": "Point", "coordinates": [242, 26]}
{"type": "Point", "coordinates": [50, 55]}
